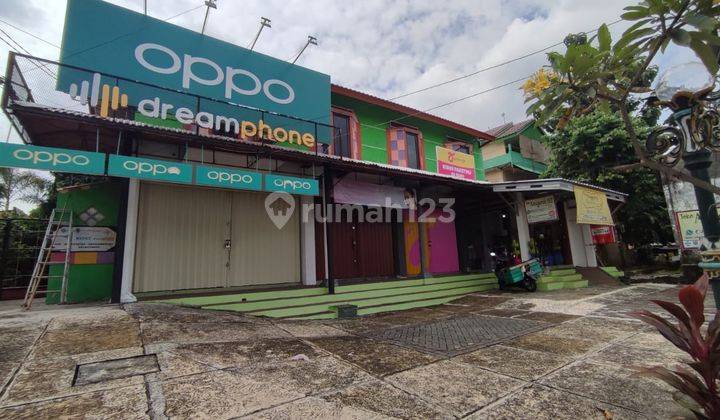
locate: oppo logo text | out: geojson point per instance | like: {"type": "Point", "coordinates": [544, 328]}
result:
{"type": "Point", "coordinates": [52, 158]}
{"type": "Point", "coordinates": [228, 75]}
{"type": "Point", "coordinates": [150, 168]}
{"type": "Point", "coordinates": [230, 178]}
{"type": "Point", "coordinates": [291, 184]}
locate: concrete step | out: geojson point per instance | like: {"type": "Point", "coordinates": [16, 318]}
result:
{"type": "Point", "coordinates": [342, 297]}
{"type": "Point", "coordinates": [550, 278]}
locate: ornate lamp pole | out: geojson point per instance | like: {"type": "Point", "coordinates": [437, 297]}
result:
{"type": "Point", "coordinates": [686, 90]}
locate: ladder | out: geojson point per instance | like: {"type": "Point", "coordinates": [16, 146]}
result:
{"type": "Point", "coordinates": [59, 219]}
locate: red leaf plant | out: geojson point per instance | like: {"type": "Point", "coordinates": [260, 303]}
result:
{"type": "Point", "coordinates": [696, 379]}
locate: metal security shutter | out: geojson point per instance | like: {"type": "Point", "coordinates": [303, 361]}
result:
{"type": "Point", "coordinates": [181, 236]}
{"type": "Point", "coordinates": [261, 253]}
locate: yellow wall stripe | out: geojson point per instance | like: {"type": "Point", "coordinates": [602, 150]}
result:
{"type": "Point", "coordinates": [123, 100]}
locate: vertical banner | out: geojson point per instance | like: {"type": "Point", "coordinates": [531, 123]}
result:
{"type": "Point", "coordinates": [592, 207]}
{"type": "Point", "coordinates": [457, 164]}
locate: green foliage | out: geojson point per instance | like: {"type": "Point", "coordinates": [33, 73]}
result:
{"type": "Point", "coordinates": [697, 379]}
{"type": "Point", "coordinates": [17, 184]}
{"type": "Point", "coordinates": [588, 148]}
{"type": "Point", "coordinates": [594, 73]}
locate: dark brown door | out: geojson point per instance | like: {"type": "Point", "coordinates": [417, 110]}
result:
{"type": "Point", "coordinates": [375, 250]}
{"type": "Point", "coordinates": [361, 250]}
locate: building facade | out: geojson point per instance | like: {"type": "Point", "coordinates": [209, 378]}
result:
{"type": "Point", "coordinates": [220, 169]}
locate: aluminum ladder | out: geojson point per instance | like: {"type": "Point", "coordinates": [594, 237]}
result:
{"type": "Point", "coordinates": [59, 219]}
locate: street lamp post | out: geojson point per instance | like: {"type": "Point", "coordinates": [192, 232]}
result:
{"type": "Point", "coordinates": [686, 90]}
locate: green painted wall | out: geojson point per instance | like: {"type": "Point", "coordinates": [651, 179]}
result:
{"type": "Point", "coordinates": [373, 128]}
{"type": "Point", "coordinates": [87, 282]}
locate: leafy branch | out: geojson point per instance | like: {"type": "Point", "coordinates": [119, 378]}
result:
{"type": "Point", "coordinates": [595, 74]}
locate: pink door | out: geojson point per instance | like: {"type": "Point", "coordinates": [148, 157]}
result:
{"type": "Point", "coordinates": [442, 244]}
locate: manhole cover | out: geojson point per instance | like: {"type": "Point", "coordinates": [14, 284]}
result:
{"type": "Point", "coordinates": [106, 370]}
{"type": "Point", "coordinates": [458, 335]}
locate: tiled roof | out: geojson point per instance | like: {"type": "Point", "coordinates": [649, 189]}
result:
{"type": "Point", "coordinates": [362, 96]}
{"type": "Point", "coordinates": [509, 128]}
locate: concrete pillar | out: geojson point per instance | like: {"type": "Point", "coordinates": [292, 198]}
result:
{"type": "Point", "coordinates": [575, 236]}
{"type": "Point", "coordinates": [131, 221]}
{"type": "Point", "coordinates": [589, 246]}
{"type": "Point", "coordinates": [307, 240]}
{"type": "Point", "coordinates": [523, 229]}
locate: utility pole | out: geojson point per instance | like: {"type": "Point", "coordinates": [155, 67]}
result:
{"type": "Point", "coordinates": [210, 4]}
{"type": "Point", "coordinates": [263, 23]}
{"type": "Point", "coordinates": [311, 40]}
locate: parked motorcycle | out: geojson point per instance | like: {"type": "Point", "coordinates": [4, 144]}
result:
{"type": "Point", "coordinates": [524, 275]}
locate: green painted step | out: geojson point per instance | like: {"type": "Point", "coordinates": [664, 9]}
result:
{"type": "Point", "coordinates": [323, 307]}
{"type": "Point", "coordinates": [406, 306]}
{"type": "Point", "coordinates": [547, 287]}
{"type": "Point", "coordinates": [612, 271]}
{"type": "Point", "coordinates": [562, 271]}
{"type": "Point", "coordinates": [322, 315]}
{"type": "Point", "coordinates": [340, 297]}
{"type": "Point", "coordinates": [486, 277]}
{"type": "Point", "coordinates": [200, 301]}
{"type": "Point", "coordinates": [575, 284]}
{"type": "Point", "coordinates": [553, 279]}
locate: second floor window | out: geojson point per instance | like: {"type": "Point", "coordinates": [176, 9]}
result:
{"type": "Point", "coordinates": [405, 147]}
{"type": "Point", "coordinates": [341, 135]}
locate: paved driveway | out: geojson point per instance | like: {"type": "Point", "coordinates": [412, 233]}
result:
{"type": "Point", "coordinates": [552, 355]}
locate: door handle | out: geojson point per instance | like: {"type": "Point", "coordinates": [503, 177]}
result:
{"type": "Point", "coordinates": [228, 244]}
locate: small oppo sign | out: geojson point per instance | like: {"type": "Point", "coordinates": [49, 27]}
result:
{"type": "Point", "coordinates": [292, 185]}
{"type": "Point", "coordinates": [157, 170]}
{"type": "Point", "coordinates": [216, 176]}
{"type": "Point", "coordinates": [51, 159]}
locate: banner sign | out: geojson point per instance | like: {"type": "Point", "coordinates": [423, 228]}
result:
{"type": "Point", "coordinates": [592, 207]}
{"type": "Point", "coordinates": [85, 239]}
{"type": "Point", "coordinates": [152, 169]}
{"type": "Point", "coordinates": [112, 40]}
{"type": "Point", "coordinates": [541, 209]}
{"type": "Point", "coordinates": [222, 177]}
{"type": "Point", "coordinates": [51, 159]}
{"type": "Point", "coordinates": [690, 228]}
{"type": "Point", "coordinates": [349, 191]}
{"type": "Point", "coordinates": [603, 234]}
{"type": "Point", "coordinates": [292, 185]}
{"type": "Point", "coordinates": [457, 164]}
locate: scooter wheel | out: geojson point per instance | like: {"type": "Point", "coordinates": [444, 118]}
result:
{"type": "Point", "coordinates": [530, 284]}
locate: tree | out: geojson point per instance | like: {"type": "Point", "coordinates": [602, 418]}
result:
{"type": "Point", "coordinates": [587, 149]}
{"type": "Point", "coordinates": [16, 184]}
{"type": "Point", "coordinates": [595, 74]}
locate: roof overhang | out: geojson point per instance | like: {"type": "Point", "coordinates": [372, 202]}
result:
{"type": "Point", "coordinates": [554, 184]}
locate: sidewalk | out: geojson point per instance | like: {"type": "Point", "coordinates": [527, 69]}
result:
{"type": "Point", "coordinates": [519, 355]}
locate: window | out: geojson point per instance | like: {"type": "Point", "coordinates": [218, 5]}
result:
{"type": "Point", "coordinates": [413, 157]}
{"type": "Point", "coordinates": [405, 147]}
{"type": "Point", "coordinates": [341, 135]}
{"type": "Point", "coordinates": [459, 146]}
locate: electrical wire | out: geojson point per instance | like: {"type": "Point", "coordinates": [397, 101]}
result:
{"type": "Point", "coordinates": [512, 60]}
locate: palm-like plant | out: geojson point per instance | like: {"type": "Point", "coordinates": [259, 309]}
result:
{"type": "Point", "coordinates": [23, 185]}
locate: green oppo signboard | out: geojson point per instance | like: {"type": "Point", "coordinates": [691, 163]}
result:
{"type": "Point", "coordinates": [112, 40]}
{"type": "Point", "coordinates": [51, 159]}
{"type": "Point", "coordinates": [291, 184]}
{"type": "Point", "coordinates": [151, 169]}
{"type": "Point", "coordinates": [216, 176]}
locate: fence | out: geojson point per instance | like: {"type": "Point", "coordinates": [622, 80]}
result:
{"type": "Point", "coordinates": [21, 242]}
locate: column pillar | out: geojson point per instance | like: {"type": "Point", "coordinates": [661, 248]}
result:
{"type": "Point", "coordinates": [307, 241]}
{"type": "Point", "coordinates": [128, 268]}
{"type": "Point", "coordinates": [523, 229]}
{"type": "Point", "coordinates": [575, 236]}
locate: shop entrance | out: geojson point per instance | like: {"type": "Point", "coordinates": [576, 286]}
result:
{"type": "Point", "coordinates": [200, 238]}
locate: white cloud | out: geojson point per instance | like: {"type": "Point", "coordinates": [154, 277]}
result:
{"type": "Point", "coordinates": [383, 47]}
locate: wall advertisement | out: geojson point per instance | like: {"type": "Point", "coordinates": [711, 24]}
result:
{"type": "Point", "coordinates": [542, 209]}
{"type": "Point", "coordinates": [592, 207]}
{"type": "Point", "coordinates": [457, 164]}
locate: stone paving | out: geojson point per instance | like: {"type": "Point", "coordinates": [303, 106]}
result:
{"type": "Point", "coordinates": [580, 364]}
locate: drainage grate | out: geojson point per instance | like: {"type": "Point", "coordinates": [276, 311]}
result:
{"type": "Point", "coordinates": [107, 370]}
{"type": "Point", "coordinates": [458, 335]}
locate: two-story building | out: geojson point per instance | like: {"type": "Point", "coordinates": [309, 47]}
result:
{"type": "Point", "coordinates": [219, 169]}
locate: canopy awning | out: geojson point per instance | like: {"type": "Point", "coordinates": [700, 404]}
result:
{"type": "Point", "coordinates": [554, 184]}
